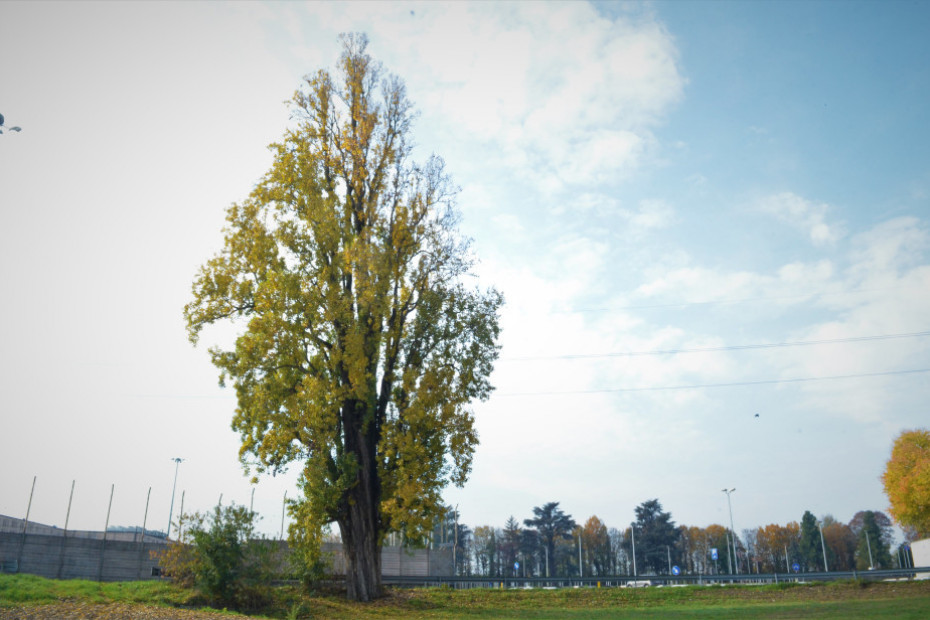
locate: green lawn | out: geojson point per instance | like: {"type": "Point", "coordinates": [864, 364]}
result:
{"type": "Point", "coordinates": [31, 590]}
{"type": "Point", "coordinates": [900, 601]}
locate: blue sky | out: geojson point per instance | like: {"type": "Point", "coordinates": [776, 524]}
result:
{"type": "Point", "coordinates": [637, 178]}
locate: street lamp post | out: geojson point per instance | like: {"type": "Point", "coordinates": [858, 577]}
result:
{"type": "Point", "coordinates": [633, 537]}
{"type": "Point", "coordinates": [580, 567]}
{"type": "Point", "coordinates": [177, 462]}
{"type": "Point", "coordinates": [823, 546]}
{"type": "Point", "coordinates": [729, 555]}
{"type": "Point", "coordinates": [732, 529]}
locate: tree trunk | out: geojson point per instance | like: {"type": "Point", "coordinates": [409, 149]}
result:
{"type": "Point", "coordinates": [361, 523]}
{"type": "Point", "coordinates": [362, 554]}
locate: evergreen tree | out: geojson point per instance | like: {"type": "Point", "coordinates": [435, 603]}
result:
{"type": "Point", "coordinates": [531, 548]}
{"type": "Point", "coordinates": [510, 546]}
{"type": "Point", "coordinates": [656, 536]}
{"type": "Point", "coordinates": [552, 525]}
{"type": "Point", "coordinates": [810, 549]}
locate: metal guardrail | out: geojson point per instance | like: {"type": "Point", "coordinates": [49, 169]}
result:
{"type": "Point", "coordinates": [650, 580]}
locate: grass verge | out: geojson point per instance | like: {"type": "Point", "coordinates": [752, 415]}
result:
{"type": "Point", "coordinates": [32, 590]}
{"type": "Point", "coordinates": [897, 600]}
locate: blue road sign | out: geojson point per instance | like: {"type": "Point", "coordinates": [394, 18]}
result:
{"type": "Point", "coordinates": [796, 567]}
{"type": "Point", "coordinates": [676, 571]}
{"type": "Point", "coordinates": [516, 566]}
{"type": "Point", "coordinates": [713, 553]}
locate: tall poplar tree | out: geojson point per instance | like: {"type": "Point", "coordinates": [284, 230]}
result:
{"type": "Point", "coordinates": [361, 347]}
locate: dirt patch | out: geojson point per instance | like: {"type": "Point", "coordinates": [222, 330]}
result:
{"type": "Point", "coordinates": [820, 592]}
{"type": "Point", "coordinates": [108, 611]}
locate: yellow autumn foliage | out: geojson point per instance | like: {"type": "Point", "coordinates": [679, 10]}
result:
{"type": "Point", "coordinates": [907, 480]}
{"type": "Point", "coordinates": [362, 346]}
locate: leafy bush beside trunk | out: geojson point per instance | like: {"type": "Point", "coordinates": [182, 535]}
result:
{"type": "Point", "coordinates": [218, 555]}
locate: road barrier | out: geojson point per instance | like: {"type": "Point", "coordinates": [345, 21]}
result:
{"type": "Point", "coordinates": [653, 580]}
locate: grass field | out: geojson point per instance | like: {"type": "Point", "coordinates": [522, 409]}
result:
{"type": "Point", "coordinates": [28, 597]}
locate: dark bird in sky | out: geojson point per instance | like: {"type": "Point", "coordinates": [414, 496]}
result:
{"type": "Point", "coordinates": [757, 415]}
{"type": "Point", "coordinates": [11, 128]}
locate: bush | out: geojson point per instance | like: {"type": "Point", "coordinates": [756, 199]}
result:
{"type": "Point", "coordinates": [218, 555]}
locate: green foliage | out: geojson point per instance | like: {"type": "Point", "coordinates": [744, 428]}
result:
{"type": "Point", "coordinates": [655, 531]}
{"type": "Point", "coordinates": [34, 590]}
{"type": "Point", "coordinates": [809, 546]}
{"type": "Point", "coordinates": [308, 562]}
{"type": "Point", "coordinates": [552, 525]}
{"type": "Point", "coordinates": [219, 556]}
{"type": "Point", "coordinates": [487, 551]}
{"type": "Point", "coordinates": [872, 548]}
{"type": "Point", "coordinates": [510, 547]}
{"type": "Point", "coordinates": [362, 346]}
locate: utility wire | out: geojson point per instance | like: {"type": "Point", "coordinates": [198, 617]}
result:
{"type": "Point", "coordinates": [724, 302]}
{"type": "Point", "coordinates": [722, 385]}
{"type": "Point", "coordinates": [737, 347]}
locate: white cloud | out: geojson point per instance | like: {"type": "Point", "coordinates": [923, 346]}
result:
{"type": "Point", "coordinates": [878, 285]}
{"type": "Point", "coordinates": [508, 224]}
{"type": "Point", "coordinates": [882, 290]}
{"type": "Point", "coordinates": [694, 284]}
{"type": "Point", "coordinates": [888, 248]}
{"type": "Point", "coordinates": [652, 215]}
{"type": "Point", "coordinates": [561, 94]}
{"type": "Point", "coordinates": [808, 217]}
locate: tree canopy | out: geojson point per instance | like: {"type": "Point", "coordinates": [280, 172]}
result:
{"type": "Point", "coordinates": [361, 347]}
{"type": "Point", "coordinates": [551, 524]}
{"type": "Point", "coordinates": [873, 548]}
{"type": "Point", "coordinates": [656, 535]}
{"type": "Point", "coordinates": [810, 544]}
{"type": "Point", "coordinates": [907, 480]}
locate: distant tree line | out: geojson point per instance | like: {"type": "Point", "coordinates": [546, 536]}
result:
{"type": "Point", "coordinates": [552, 543]}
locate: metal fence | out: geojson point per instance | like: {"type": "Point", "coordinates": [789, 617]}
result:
{"type": "Point", "coordinates": [614, 581]}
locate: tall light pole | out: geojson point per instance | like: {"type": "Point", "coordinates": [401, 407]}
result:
{"type": "Point", "coordinates": [729, 554]}
{"type": "Point", "coordinates": [580, 568]}
{"type": "Point", "coordinates": [455, 538]}
{"type": "Point", "coordinates": [177, 462]}
{"type": "Point", "coordinates": [823, 547]}
{"type": "Point", "coordinates": [633, 537]}
{"type": "Point", "coordinates": [732, 529]}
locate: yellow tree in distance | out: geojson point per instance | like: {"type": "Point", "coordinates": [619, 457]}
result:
{"type": "Point", "coordinates": [907, 480]}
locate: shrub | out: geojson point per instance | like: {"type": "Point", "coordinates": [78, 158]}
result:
{"type": "Point", "coordinates": [218, 555]}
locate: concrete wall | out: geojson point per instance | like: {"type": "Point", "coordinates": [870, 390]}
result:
{"type": "Point", "coordinates": [399, 562]}
{"type": "Point", "coordinates": [67, 557]}
{"type": "Point", "coordinates": [50, 552]}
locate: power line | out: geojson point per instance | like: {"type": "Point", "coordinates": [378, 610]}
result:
{"type": "Point", "coordinates": [737, 347]}
{"type": "Point", "coordinates": [723, 302]}
{"type": "Point", "coordinates": [723, 385]}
